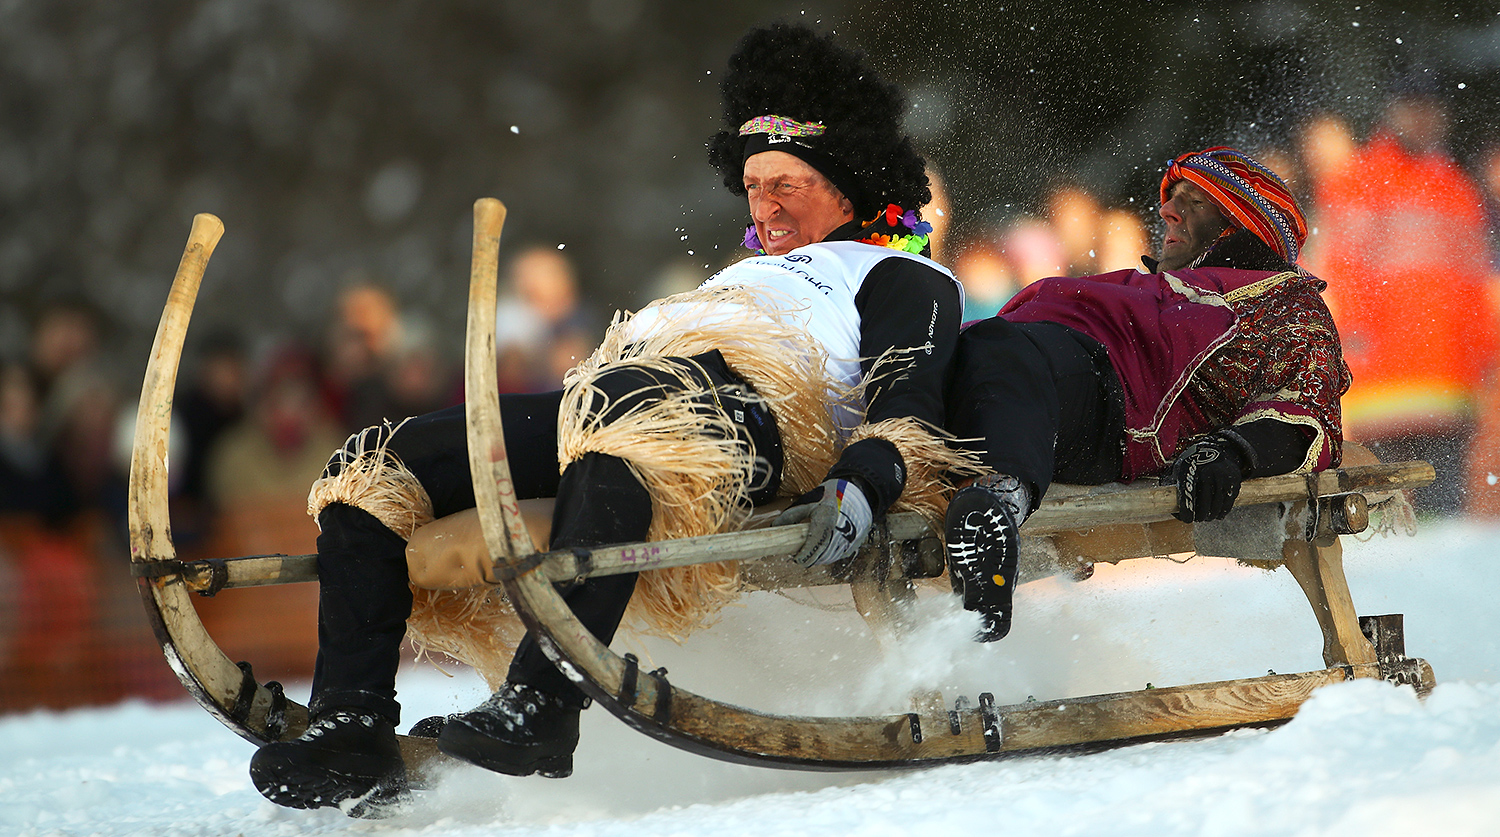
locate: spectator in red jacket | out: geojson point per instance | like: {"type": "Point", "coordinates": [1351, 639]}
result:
{"type": "Point", "coordinates": [1406, 255]}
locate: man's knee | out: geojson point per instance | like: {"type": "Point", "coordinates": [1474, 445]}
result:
{"type": "Point", "coordinates": [367, 475]}
{"type": "Point", "coordinates": [625, 387]}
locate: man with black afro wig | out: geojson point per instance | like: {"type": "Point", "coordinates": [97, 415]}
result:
{"type": "Point", "coordinates": [811, 371]}
{"type": "Point", "coordinates": [794, 72]}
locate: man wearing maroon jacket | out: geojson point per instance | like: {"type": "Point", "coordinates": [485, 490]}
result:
{"type": "Point", "coordinates": [1217, 362]}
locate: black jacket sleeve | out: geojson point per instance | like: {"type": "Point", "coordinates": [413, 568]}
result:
{"type": "Point", "coordinates": [909, 315]}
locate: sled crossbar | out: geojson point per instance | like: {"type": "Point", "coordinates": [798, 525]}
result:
{"type": "Point", "coordinates": [1065, 510]}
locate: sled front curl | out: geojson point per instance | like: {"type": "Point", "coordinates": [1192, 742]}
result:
{"type": "Point", "coordinates": [1073, 528]}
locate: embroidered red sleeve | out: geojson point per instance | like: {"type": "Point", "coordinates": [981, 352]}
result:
{"type": "Point", "coordinates": [1284, 363]}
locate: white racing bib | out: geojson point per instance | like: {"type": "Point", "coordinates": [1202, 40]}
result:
{"type": "Point", "coordinates": [815, 286]}
{"type": "Point", "coordinates": [823, 280]}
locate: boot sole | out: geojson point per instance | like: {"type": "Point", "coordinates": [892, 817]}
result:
{"type": "Point", "coordinates": [294, 786]}
{"type": "Point", "coordinates": [973, 519]}
{"type": "Point", "coordinates": [465, 743]}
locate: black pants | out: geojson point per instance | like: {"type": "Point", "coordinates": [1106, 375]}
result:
{"type": "Point", "coordinates": [364, 595]}
{"type": "Point", "coordinates": [1039, 401]}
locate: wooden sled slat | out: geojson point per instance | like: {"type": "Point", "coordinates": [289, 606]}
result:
{"type": "Point", "coordinates": [1144, 505]}
{"type": "Point", "coordinates": [1110, 506]}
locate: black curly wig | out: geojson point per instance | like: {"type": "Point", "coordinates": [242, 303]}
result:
{"type": "Point", "coordinates": [794, 72]}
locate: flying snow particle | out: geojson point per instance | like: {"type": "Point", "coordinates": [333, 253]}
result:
{"type": "Point", "coordinates": [1462, 86]}
{"type": "Point", "coordinates": [561, 246]}
{"type": "Point", "coordinates": [515, 129]}
{"type": "Point", "coordinates": [1398, 40]}
{"type": "Point", "coordinates": [1491, 479]}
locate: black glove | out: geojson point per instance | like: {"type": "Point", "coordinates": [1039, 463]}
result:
{"type": "Point", "coordinates": [838, 518]}
{"type": "Point", "coordinates": [1208, 474]}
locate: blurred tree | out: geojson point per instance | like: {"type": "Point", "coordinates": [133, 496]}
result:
{"type": "Point", "coordinates": [344, 141]}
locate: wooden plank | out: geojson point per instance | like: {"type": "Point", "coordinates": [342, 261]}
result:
{"type": "Point", "coordinates": [208, 675]}
{"type": "Point", "coordinates": [1167, 711]}
{"type": "Point", "coordinates": [1319, 570]}
{"type": "Point", "coordinates": [1120, 504]}
{"type": "Point", "coordinates": [1115, 543]}
{"type": "Point", "coordinates": [888, 741]}
{"type": "Point", "coordinates": [1083, 520]}
{"type": "Point", "coordinates": [505, 531]}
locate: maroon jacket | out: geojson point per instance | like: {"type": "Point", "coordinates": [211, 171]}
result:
{"type": "Point", "coordinates": [1205, 348]}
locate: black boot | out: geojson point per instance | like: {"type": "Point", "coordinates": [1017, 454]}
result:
{"type": "Point", "coordinates": [364, 599]}
{"type": "Point", "coordinates": [982, 531]}
{"type": "Point", "coordinates": [429, 727]}
{"type": "Point", "coordinates": [531, 724]}
{"type": "Point", "coordinates": [347, 758]}
{"type": "Point", "coordinates": [519, 731]}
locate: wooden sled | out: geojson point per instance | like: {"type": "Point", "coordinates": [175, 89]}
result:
{"type": "Point", "coordinates": [1296, 521]}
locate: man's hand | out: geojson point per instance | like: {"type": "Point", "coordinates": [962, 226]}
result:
{"type": "Point", "coordinates": [838, 518]}
{"type": "Point", "coordinates": [1208, 474]}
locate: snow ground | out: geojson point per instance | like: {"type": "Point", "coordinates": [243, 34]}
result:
{"type": "Point", "coordinates": [1361, 758]}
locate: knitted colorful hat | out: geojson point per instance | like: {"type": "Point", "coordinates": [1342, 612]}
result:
{"type": "Point", "coordinates": [1248, 192]}
{"type": "Point", "coordinates": [790, 89]}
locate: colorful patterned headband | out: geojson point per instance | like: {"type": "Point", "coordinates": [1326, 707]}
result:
{"type": "Point", "coordinates": [771, 124]}
{"type": "Point", "coordinates": [1251, 194]}
{"type": "Point", "coordinates": [780, 133]}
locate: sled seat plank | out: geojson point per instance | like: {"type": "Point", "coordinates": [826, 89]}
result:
{"type": "Point", "coordinates": [1077, 519]}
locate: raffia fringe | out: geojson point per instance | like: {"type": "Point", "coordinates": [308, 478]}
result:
{"type": "Point", "coordinates": [700, 485]}
{"type": "Point", "coordinates": [932, 466]}
{"type": "Point", "coordinates": [476, 626]}
{"type": "Point", "coordinates": [373, 479]}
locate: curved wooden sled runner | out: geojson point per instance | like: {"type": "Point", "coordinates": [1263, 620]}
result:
{"type": "Point", "coordinates": [1304, 516]}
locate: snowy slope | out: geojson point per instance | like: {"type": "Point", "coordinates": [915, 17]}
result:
{"type": "Point", "coordinates": [1361, 758]}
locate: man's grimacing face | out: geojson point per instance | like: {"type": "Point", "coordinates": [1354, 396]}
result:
{"type": "Point", "coordinates": [1191, 225]}
{"type": "Point", "coordinates": [791, 202]}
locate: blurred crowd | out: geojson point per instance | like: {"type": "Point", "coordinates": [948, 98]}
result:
{"type": "Point", "coordinates": [1405, 233]}
{"type": "Point", "coordinates": [253, 425]}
